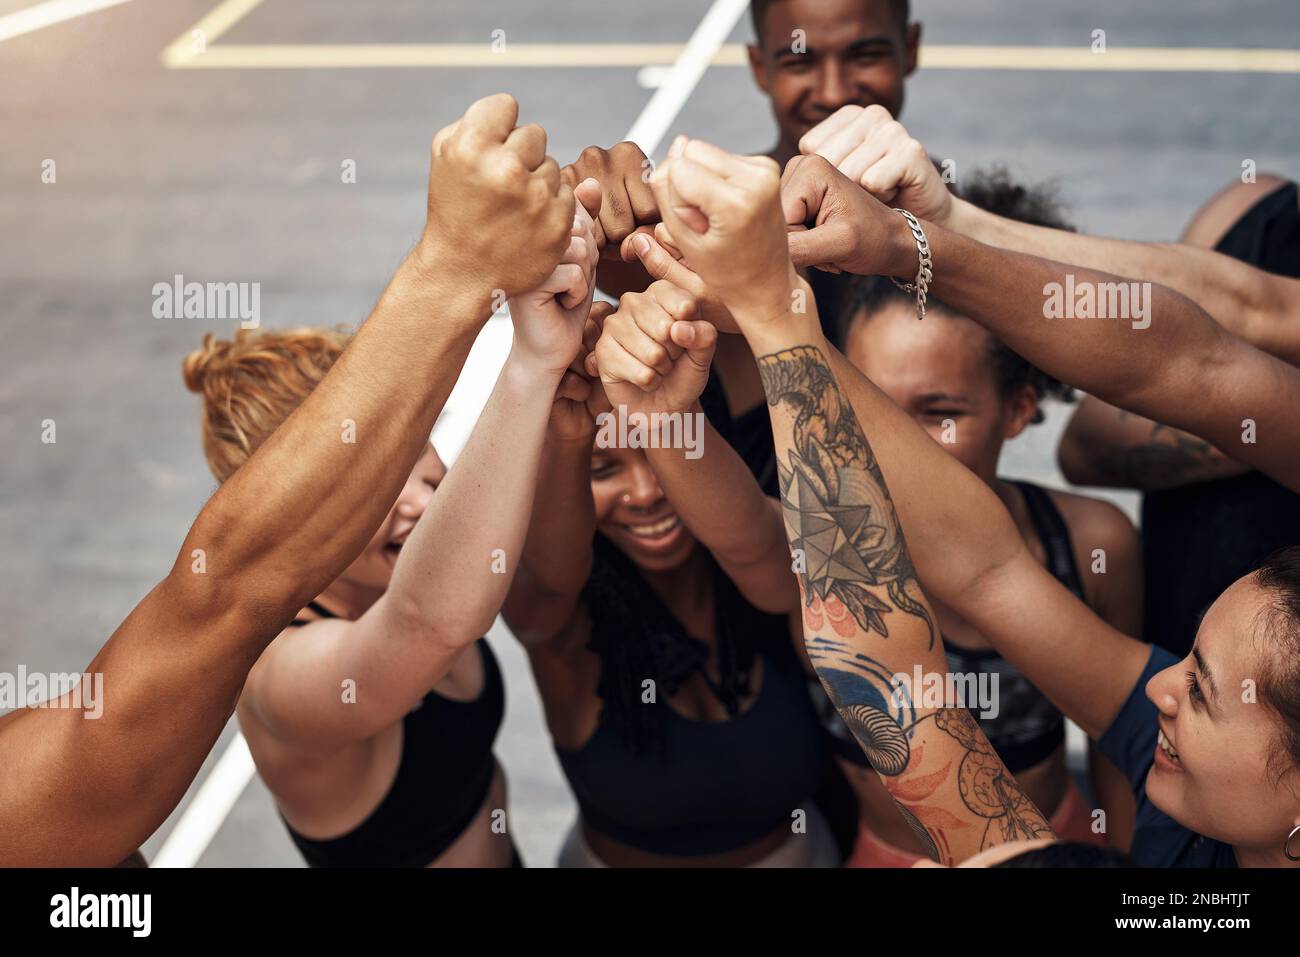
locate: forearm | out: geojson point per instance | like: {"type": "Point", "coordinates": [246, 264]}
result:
{"type": "Point", "coordinates": [557, 552]}
{"type": "Point", "coordinates": [1259, 307]}
{"type": "Point", "coordinates": [866, 659]}
{"type": "Point", "coordinates": [453, 574]}
{"type": "Point", "coordinates": [289, 521]}
{"type": "Point", "coordinates": [719, 500]}
{"type": "Point", "coordinates": [1107, 446]}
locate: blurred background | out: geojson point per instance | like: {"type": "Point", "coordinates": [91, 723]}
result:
{"type": "Point", "coordinates": [207, 139]}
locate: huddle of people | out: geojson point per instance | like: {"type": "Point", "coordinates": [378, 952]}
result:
{"type": "Point", "coordinates": [720, 639]}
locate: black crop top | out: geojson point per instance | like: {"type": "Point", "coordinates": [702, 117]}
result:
{"type": "Point", "coordinates": [1028, 727]}
{"type": "Point", "coordinates": [442, 780]}
{"type": "Point", "coordinates": [710, 787]}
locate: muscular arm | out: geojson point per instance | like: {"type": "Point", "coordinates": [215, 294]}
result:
{"type": "Point", "coordinates": [1182, 369]}
{"type": "Point", "coordinates": [88, 792]}
{"type": "Point", "coordinates": [1260, 307]}
{"type": "Point", "coordinates": [1112, 447]}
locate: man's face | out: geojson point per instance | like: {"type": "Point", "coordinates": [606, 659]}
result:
{"type": "Point", "coordinates": [848, 52]}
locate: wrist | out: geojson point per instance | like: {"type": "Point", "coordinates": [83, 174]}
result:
{"type": "Point", "coordinates": [430, 283]}
{"type": "Point", "coordinates": [795, 322]}
{"type": "Point", "coordinates": [531, 372]}
{"type": "Point", "coordinates": [903, 260]}
{"type": "Point", "coordinates": [965, 218]}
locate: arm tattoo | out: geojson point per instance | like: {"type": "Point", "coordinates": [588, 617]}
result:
{"type": "Point", "coordinates": [838, 513]}
{"type": "Point", "coordinates": [1168, 458]}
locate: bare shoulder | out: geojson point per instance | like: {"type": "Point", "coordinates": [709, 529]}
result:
{"type": "Point", "coordinates": [1094, 520]}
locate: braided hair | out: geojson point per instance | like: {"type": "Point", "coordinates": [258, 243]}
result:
{"type": "Point", "coordinates": [639, 639]}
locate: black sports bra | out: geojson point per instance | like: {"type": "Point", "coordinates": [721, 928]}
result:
{"type": "Point", "coordinates": [1027, 728]}
{"type": "Point", "coordinates": [712, 786]}
{"type": "Point", "coordinates": [442, 780]}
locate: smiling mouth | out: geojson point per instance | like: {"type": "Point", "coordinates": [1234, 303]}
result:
{"type": "Point", "coordinates": [655, 530]}
{"type": "Point", "coordinates": [1163, 743]}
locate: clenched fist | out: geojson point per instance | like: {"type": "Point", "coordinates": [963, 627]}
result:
{"type": "Point", "coordinates": [654, 353]}
{"type": "Point", "coordinates": [873, 149]}
{"type": "Point", "coordinates": [723, 213]}
{"type": "Point", "coordinates": [498, 210]}
{"type": "Point", "coordinates": [627, 201]}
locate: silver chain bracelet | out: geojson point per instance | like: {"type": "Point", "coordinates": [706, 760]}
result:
{"type": "Point", "coordinates": [925, 272]}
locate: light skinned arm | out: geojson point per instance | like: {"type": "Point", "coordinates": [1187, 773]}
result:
{"type": "Point", "coordinates": [454, 571]}
{"type": "Point", "coordinates": [80, 792]}
{"type": "Point", "coordinates": [838, 513]}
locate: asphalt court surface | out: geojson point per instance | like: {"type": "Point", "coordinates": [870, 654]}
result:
{"type": "Point", "coordinates": [233, 175]}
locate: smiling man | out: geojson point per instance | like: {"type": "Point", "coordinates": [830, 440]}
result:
{"type": "Point", "coordinates": [812, 57]}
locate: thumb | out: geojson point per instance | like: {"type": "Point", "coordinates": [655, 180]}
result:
{"type": "Point", "coordinates": [697, 337]}
{"type": "Point", "coordinates": [589, 195]}
{"type": "Point", "coordinates": [660, 263]}
{"type": "Point", "coordinates": [821, 246]}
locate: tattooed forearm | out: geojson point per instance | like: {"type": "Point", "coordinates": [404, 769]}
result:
{"type": "Point", "coordinates": [856, 576]}
{"type": "Point", "coordinates": [879, 712]}
{"type": "Point", "coordinates": [839, 517]}
{"type": "Point", "coordinates": [1166, 459]}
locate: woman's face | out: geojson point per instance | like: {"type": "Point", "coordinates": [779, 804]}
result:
{"type": "Point", "coordinates": [373, 568]}
{"type": "Point", "coordinates": [1219, 780]}
{"type": "Point", "coordinates": [632, 512]}
{"type": "Point", "coordinates": [940, 371]}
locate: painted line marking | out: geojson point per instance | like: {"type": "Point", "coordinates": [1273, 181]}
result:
{"type": "Point", "coordinates": [48, 14]}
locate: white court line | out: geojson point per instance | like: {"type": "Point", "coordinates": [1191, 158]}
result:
{"type": "Point", "coordinates": [48, 14]}
{"type": "Point", "coordinates": [201, 820]}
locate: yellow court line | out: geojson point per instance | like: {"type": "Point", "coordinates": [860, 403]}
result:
{"type": "Point", "coordinates": [218, 20]}
{"type": "Point", "coordinates": [453, 55]}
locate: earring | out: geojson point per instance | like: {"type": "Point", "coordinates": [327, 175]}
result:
{"type": "Point", "coordinates": [627, 498]}
{"type": "Point", "coordinates": [1286, 845]}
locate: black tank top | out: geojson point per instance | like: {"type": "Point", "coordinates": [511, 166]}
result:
{"type": "Point", "coordinates": [710, 787]}
{"type": "Point", "coordinates": [443, 778]}
{"type": "Point", "coordinates": [1199, 539]}
{"type": "Point", "coordinates": [1027, 727]}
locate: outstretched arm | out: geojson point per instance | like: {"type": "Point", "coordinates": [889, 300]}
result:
{"type": "Point", "coordinates": [88, 792]}
{"type": "Point", "coordinates": [1109, 446]}
{"type": "Point", "coordinates": [874, 150]}
{"type": "Point", "coordinates": [1165, 358]}
{"type": "Point", "coordinates": [839, 515]}
{"type": "Point", "coordinates": [454, 571]}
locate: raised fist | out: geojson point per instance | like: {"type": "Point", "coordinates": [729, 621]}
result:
{"type": "Point", "coordinates": [654, 353]}
{"type": "Point", "coordinates": [497, 207]}
{"type": "Point", "coordinates": [627, 201]}
{"type": "Point", "coordinates": [873, 149]}
{"type": "Point", "coordinates": [724, 215]}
